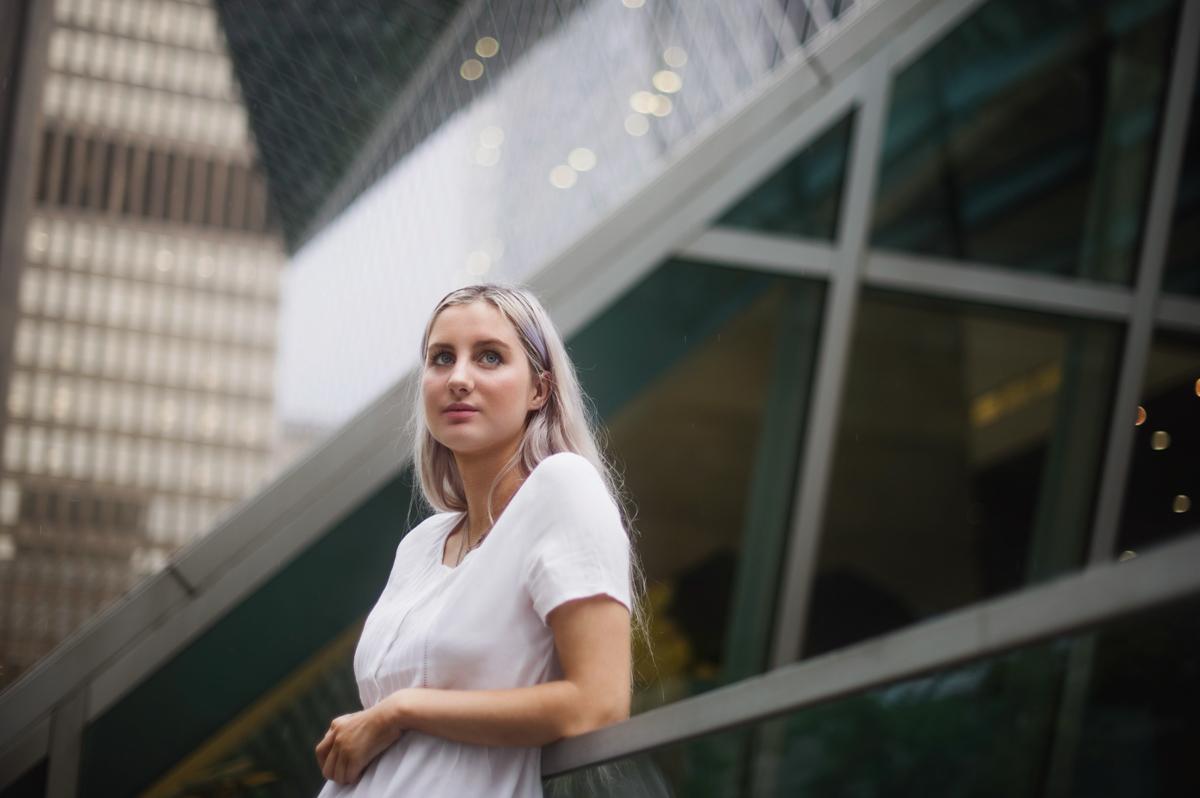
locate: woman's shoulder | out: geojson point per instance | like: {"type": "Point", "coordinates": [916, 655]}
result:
{"type": "Point", "coordinates": [566, 467]}
{"type": "Point", "coordinates": [566, 484]}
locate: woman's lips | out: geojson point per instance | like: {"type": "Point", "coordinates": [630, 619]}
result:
{"type": "Point", "coordinates": [459, 411]}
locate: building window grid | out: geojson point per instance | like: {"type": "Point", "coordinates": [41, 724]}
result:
{"type": "Point", "coordinates": [142, 63]}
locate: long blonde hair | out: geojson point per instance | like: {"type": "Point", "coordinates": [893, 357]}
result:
{"type": "Point", "coordinates": [559, 425]}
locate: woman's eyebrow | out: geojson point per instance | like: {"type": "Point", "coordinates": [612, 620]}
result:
{"type": "Point", "coordinates": [492, 342]}
{"type": "Point", "coordinates": [486, 342]}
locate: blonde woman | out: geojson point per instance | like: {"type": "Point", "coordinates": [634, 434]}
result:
{"type": "Point", "coordinates": [505, 623]}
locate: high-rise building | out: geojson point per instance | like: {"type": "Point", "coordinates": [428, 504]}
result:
{"type": "Point", "coordinates": [140, 392]}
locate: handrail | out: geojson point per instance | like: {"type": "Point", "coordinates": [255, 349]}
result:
{"type": "Point", "coordinates": [1072, 603]}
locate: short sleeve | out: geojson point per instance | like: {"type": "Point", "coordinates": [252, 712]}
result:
{"type": "Point", "coordinates": [580, 548]}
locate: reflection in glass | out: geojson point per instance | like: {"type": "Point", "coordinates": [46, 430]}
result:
{"type": "Point", "coordinates": [1182, 274]}
{"type": "Point", "coordinates": [1164, 472]}
{"type": "Point", "coordinates": [1026, 137]}
{"type": "Point", "coordinates": [1109, 713]}
{"type": "Point", "coordinates": [966, 461]}
{"type": "Point", "coordinates": [701, 375]}
{"type": "Point", "coordinates": [804, 196]}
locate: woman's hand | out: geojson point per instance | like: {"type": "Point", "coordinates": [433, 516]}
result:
{"type": "Point", "coordinates": [354, 740]}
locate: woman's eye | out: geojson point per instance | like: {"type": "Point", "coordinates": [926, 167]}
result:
{"type": "Point", "coordinates": [491, 358]}
{"type": "Point", "coordinates": [441, 359]}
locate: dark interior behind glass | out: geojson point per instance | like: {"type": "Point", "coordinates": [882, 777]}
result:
{"type": "Point", "coordinates": [967, 457]}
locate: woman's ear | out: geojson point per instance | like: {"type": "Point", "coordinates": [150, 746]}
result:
{"type": "Point", "coordinates": [541, 392]}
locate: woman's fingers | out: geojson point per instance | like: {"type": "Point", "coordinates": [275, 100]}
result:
{"type": "Point", "coordinates": [330, 768]}
{"type": "Point", "coordinates": [323, 749]}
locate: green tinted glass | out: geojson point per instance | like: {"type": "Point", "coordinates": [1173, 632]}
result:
{"type": "Point", "coordinates": [702, 376]}
{"type": "Point", "coordinates": [1026, 137]}
{"type": "Point", "coordinates": [802, 198]}
{"type": "Point", "coordinates": [966, 461]}
{"type": "Point", "coordinates": [1182, 273]}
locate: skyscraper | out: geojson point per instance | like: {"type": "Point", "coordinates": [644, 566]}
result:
{"type": "Point", "coordinates": [140, 396]}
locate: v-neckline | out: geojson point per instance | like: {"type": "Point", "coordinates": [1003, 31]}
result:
{"type": "Point", "coordinates": [446, 538]}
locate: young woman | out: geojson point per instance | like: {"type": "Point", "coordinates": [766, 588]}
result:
{"type": "Point", "coordinates": [505, 623]}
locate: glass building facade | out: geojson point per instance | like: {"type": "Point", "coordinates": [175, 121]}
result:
{"type": "Point", "coordinates": [900, 363]}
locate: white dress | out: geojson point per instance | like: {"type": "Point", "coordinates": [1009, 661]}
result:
{"type": "Point", "coordinates": [482, 625]}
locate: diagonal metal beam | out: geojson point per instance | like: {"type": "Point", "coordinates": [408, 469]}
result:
{"type": "Point", "coordinates": [1103, 593]}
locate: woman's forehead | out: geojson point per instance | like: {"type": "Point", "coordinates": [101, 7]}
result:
{"type": "Point", "coordinates": [471, 321]}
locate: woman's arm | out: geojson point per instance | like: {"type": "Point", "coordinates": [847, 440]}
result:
{"type": "Point", "coordinates": [592, 638]}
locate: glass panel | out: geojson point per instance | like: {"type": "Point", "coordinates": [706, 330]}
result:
{"type": "Point", "coordinates": [1026, 137]}
{"type": "Point", "coordinates": [1113, 713]}
{"type": "Point", "coordinates": [702, 375]}
{"type": "Point", "coordinates": [1164, 478]}
{"type": "Point", "coordinates": [966, 464]}
{"type": "Point", "coordinates": [804, 197]}
{"type": "Point", "coordinates": [1182, 273]}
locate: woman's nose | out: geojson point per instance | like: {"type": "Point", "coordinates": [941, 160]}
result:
{"type": "Point", "coordinates": [460, 377]}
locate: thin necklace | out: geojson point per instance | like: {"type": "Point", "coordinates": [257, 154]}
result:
{"type": "Point", "coordinates": [466, 535]}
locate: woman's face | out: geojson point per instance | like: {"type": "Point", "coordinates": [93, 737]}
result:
{"type": "Point", "coordinates": [477, 386]}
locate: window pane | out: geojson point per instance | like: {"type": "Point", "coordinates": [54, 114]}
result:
{"type": "Point", "coordinates": [967, 457]}
{"type": "Point", "coordinates": [1183, 257]}
{"type": "Point", "coordinates": [701, 374]}
{"type": "Point", "coordinates": [1026, 137]}
{"type": "Point", "coordinates": [804, 196]}
{"type": "Point", "coordinates": [1164, 475]}
{"type": "Point", "coordinates": [994, 728]}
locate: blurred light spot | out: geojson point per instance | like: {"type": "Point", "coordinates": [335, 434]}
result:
{"type": "Point", "coordinates": [1141, 416]}
{"type": "Point", "coordinates": [667, 81]}
{"type": "Point", "coordinates": [662, 105]}
{"type": "Point", "coordinates": [1181, 504]}
{"type": "Point", "coordinates": [491, 136]}
{"type": "Point", "coordinates": [206, 266]}
{"type": "Point", "coordinates": [1126, 555]}
{"type": "Point", "coordinates": [471, 69]}
{"type": "Point", "coordinates": [487, 156]}
{"type": "Point", "coordinates": [633, 3]}
{"type": "Point", "coordinates": [1197, 387]}
{"type": "Point", "coordinates": [494, 247]}
{"type": "Point", "coordinates": [486, 47]}
{"type": "Point", "coordinates": [642, 102]}
{"type": "Point", "coordinates": [636, 125]}
{"type": "Point", "coordinates": [675, 56]}
{"type": "Point", "coordinates": [8, 547]}
{"type": "Point", "coordinates": [163, 260]}
{"type": "Point", "coordinates": [563, 176]}
{"type": "Point", "coordinates": [1159, 441]}
{"type": "Point", "coordinates": [581, 159]}
{"type": "Point", "coordinates": [62, 403]}
{"type": "Point", "coordinates": [41, 241]}
{"type": "Point", "coordinates": [478, 263]}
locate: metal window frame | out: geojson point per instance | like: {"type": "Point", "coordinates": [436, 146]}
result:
{"type": "Point", "coordinates": [849, 65]}
{"type": "Point", "coordinates": [1151, 261]}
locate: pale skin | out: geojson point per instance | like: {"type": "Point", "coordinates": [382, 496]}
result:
{"type": "Point", "coordinates": [478, 389]}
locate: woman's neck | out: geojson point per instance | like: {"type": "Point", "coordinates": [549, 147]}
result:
{"type": "Point", "coordinates": [478, 473]}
